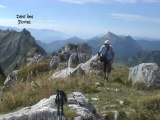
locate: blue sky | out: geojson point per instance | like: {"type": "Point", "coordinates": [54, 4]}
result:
{"type": "Point", "coordinates": [86, 18]}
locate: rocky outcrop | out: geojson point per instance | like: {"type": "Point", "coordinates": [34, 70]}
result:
{"type": "Point", "coordinates": [83, 54]}
{"type": "Point", "coordinates": [66, 51]}
{"type": "Point", "coordinates": [54, 62]}
{"type": "Point", "coordinates": [14, 47]}
{"type": "Point", "coordinates": [91, 65]}
{"type": "Point", "coordinates": [75, 54]}
{"type": "Point", "coordinates": [147, 73]}
{"type": "Point", "coordinates": [46, 109]}
{"type": "Point", "coordinates": [73, 60]}
{"type": "Point", "coordinates": [11, 77]}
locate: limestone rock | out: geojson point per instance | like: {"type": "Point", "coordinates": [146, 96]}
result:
{"type": "Point", "coordinates": [73, 60]}
{"type": "Point", "coordinates": [77, 101]}
{"type": "Point", "coordinates": [46, 109]}
{"type": "Point", "coordinates": [43, 110]}
{"type": "Point", "coordinates": [81, 68]}
{"type": "Point", "coordinates": [54, 62]}
{"type": "Point", "coordinates": [147, 73]}
{"type": "Point", "coordinates": [35, 59]}
{"type": "Point", "coordinates": [11, 77]}
{"type": "Point", "coordinates": [85, 48]}
{"type": "Point", "coordinates": [63, 73]}
{"type": "Point", "coordinates": [64, 56]}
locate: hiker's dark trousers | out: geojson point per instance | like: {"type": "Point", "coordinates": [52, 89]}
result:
{"type": "Point", "coordinates": [107, 65]}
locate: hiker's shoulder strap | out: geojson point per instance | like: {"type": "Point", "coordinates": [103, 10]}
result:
{"type": "Point", "coordinates": [107, 50]}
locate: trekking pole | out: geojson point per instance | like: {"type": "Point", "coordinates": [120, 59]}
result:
{"type": "Point", "coordinates": [60, 100]}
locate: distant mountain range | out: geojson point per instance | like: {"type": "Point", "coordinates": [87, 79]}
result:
{"type": "Point", "coordinates": [122, 45]}
{"type": "Point", "coordinates": [20, 42]}
{"type": "Point", "coordinates": [56, 45]}
{"type": "Point", "coordinates": [142, 57]}
{"type": "Point", "coordinates": [45, 35]}
{"type": "Point", "coordinates": [14, 47]}
{"type": "Point", "coordinates": [149, 45]}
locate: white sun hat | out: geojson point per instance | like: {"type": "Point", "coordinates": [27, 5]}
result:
{"type": "Point", "coordinates": [107, 42]}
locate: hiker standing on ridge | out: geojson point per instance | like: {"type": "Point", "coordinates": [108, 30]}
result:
{"type": "Point", "coordinates": [106, 55]}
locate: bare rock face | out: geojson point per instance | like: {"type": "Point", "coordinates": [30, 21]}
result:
{"type": "Point", "coordinates": [147, 73]}
{"type": "Point", "coordinates": [46, 109]}
{"type": "Point", "coordinates": [14, 48]}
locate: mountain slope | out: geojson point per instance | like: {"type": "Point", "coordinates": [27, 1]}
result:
{"type": "Point", "coordinates": [14, 46]}
{"type": "Point", "coordinates": [1, 75]}
{"type": "Point", "coordinates": [149, 45]}
{"type": "Point", "coordinates": [142, 57]}
{"type": "Point", "coordinates": [46, 35]}
{"type": "Point", "coordinates": [122, 45]}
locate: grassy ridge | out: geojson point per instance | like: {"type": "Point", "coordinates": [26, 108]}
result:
{"type": "Point", "coordinates": [117, 94]}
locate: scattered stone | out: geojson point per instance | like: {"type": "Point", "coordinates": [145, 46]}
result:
{"type": "Point", "coordinates": [95, 99]}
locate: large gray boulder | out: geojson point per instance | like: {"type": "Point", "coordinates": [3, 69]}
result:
{"type": "Point", "coordinates": [78, 102]}
{"type": "Point", "coordinates": [46, 109]}
{"type": "Point", "coordinates": [147, 73]}
{"type": "Point", "coordinates": [43, 110]}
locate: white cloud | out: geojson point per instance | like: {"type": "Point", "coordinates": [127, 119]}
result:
{"type": "Point", "coordinates": [106, 1]}
{"type": "Point", "coordinates": [2, 6]}
{"type": "Point", "coordinates": [83, 1]}
{"type": "Point", "coordinates": [135, 17]}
